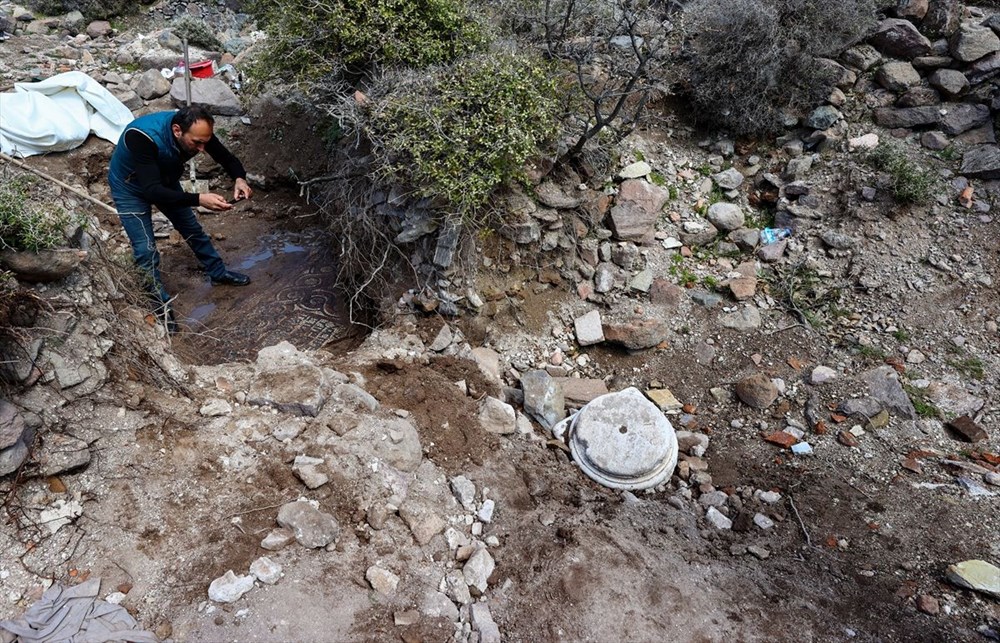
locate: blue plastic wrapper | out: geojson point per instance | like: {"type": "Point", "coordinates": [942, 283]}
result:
{"type": "Point", "coordinates": [770, 235]}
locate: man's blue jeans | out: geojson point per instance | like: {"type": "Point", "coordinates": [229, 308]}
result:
{"type": "Point", "coordinates": [136, 215]}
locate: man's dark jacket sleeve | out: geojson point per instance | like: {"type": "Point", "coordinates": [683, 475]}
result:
{"type": "Point", "coordinates": [151, 180]}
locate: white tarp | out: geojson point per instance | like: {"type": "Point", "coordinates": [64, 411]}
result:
{"type": "Point", "coordinates": [58, 114]}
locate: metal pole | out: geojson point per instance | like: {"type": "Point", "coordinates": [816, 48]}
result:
{"type": "Point", "coordinates": [187, 92]}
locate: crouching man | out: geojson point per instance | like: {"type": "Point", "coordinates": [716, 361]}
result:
{"type": "Point", "coordinates": [145, 170]}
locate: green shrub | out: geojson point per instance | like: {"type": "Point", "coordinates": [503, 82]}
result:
{"type": "Point", "coordinates": [752, 60]}
{"type": "Point", "coordinates": [909, 182]}
{"type": "Point", "coordinates": [91, 9]}
{"type": "Point", "coordinates": [308, 40]}
{"type": "Point", "coordinates": [197, 33]}
{"type": "Point", "coordinates": [461, 131]}
{"type": "Point", "coordinates": [23, 226]}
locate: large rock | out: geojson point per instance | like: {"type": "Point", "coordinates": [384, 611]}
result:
{"type": "Point", "coordinates": [919, 97]}
{"type": "Point", "coordinates": [726, 216]}
{"type": "Point", "coordinates": [950, 82]}
{"type": "Point", "coordinates": [972, 42]}
{"type": "Point", "coordinates": [543, 398]}
{"type": "Point", "coordinates": [478, 568]}
{"type": "Point", "coordinates": [578, 391]}
{"type": "Point", "coordinates": [393, 440]}
{"type": "Point", "coordinates": [981, 162]}
{"type": "Point", "coordinates": [43, 266]}
{"type": "Point", "coordinates": [99, 29]}
{"type": "Point", "coordinates": [636, 209]}
{"type": "Point", "coordinates": [496, 416]}
{"type": "Point", "coordinates": [550, 194]}
{"type": "Point", "coordinates": [898, 38]}
{"type": "Point", "coordinates": [916, 9]}
{"type": "Point", "coordinates": [893, 117]}
{"type": "Point", "coordinates": [211, 93]}
{"type": "Point", "coordinates": [73, 22]}
{"type": "Point", "coordinates": [983, 69]}
{"type": "Point", "coordinates": [962, 117]}
{"type": "Point", "coordinates": [152, 85]}
{"type": "Point", "coordinates": [60, 453]}
{"type": "Point", "coordinates": [897, 76]}
{"type": "Point", "coordinates": [289, 381]}
{"type": "Point", "coordinates": [13, 457]}
{"type": "Point", "coordinates": [11, 424]}
{"type": "Point", "coordinates": [942, 17]}
{"type": "Point", "coordinates": [884, 386]}
{"type": "Point", "coordinates": [639, 334]}
{"type": "Point", "coordinates": [312, 527]}
{"type": "Point", "coordinates": [977, 575]}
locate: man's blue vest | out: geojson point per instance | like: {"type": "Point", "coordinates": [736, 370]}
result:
{"type": "Point", "coordinates": [157, 127]}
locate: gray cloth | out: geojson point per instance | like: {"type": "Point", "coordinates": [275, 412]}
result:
{"type": "Point", "coordinates": [75, 615]}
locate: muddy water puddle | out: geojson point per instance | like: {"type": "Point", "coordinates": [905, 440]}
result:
{"type": "Point", "coordinates": [291, 298]}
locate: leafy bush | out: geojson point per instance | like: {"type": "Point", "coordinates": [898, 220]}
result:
{"type": "Point", "coordinates": [463, 130]}
{"type": "Point", "coordinates": [909, 182]}
{"type": "Point", "coordinates": [753, 59]}
{"type": "Point", "coordinates": [23, 226]}
{"type": "Point", "coordinates": [91, 9]}
{"type": "Point", "coordinates": [196, 32]}
{"type": "Point", "coordinates": [308, 40]}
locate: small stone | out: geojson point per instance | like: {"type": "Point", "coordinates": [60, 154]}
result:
{"type": "Point", "coordinates": [465, 492]}
{"type": "Point", "coordinates": [762, 521]}
{"type": "Point", "coordinates": [266, 570]}
{"type": "Point", "coordinates": [967, 429]}
{"type": "Point", "coordinates": [744, 320]}
{"type": "Point", "coordinates": [277, 539]}
{"type": "Point", "coordinates": [485, 513]}
{"type": "Point", "coordinates": [822, 375]}
{"type": "Point", "coordinates": [229, 587]}
{"type": "Point", "coordinates": [407, 618]}
{"type": "Point", "coordinates": [312, 528]}
{"type": "Point", "coordinates": [588, 329]}
{"type": "Point", "coordinates": [382, 580]}
{"type": "Point", "coordinates": [115, 598]}
{"type": "Point", "coordinates": [726, 216]}
{"type": "Point", "coordinates": [482, 622]}
{"type": "Point", "coordinates": [214, 407]}
{"type": "Point", "coordinates": [664, 400]}
{"type": "Point", "coordinates": [769, 497]}
{"type": "Point", "coordinates": [847, 439]}
{"type": "Point", "coordinates": [635, 170]}
{"type": "Point", "coordinates": [928, 604]}
{"type": "Point", "coordinates": [728, 179]}
{"type": "Point", "coordinates": [478, 568]}
{"type": "Point", "coordinates": [757, 391]}
{"type": "Point", "coordinates": [781, 438]}
{"type": "Point", "coordinates": [760, 552]}
{"type": "Point", "coordinates": [496, 416]}
{"type": "Point", "coordinates": [718, 519]}
{"type": "Point", "coordinates": [306, 469]}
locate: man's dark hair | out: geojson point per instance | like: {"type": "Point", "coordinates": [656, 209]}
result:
{"type": "Point", "coordinates": [189, 115]}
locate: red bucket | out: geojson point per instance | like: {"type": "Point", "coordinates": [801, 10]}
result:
{"type": "Point", "coordinates": [202, 69]}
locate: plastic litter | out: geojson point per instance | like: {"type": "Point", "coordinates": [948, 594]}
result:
{"type": "Point", "coordinates": [621, 440]}
{"type": "Point", "coordinates": [771, 235]}
{"type": "Point", "coordinates": [802, 448]}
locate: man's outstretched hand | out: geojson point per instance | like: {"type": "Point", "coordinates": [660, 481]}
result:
{"type": "Point", "coordinates": [241, 190]}
{"type": "Point", "coordinates": [213, 202]}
